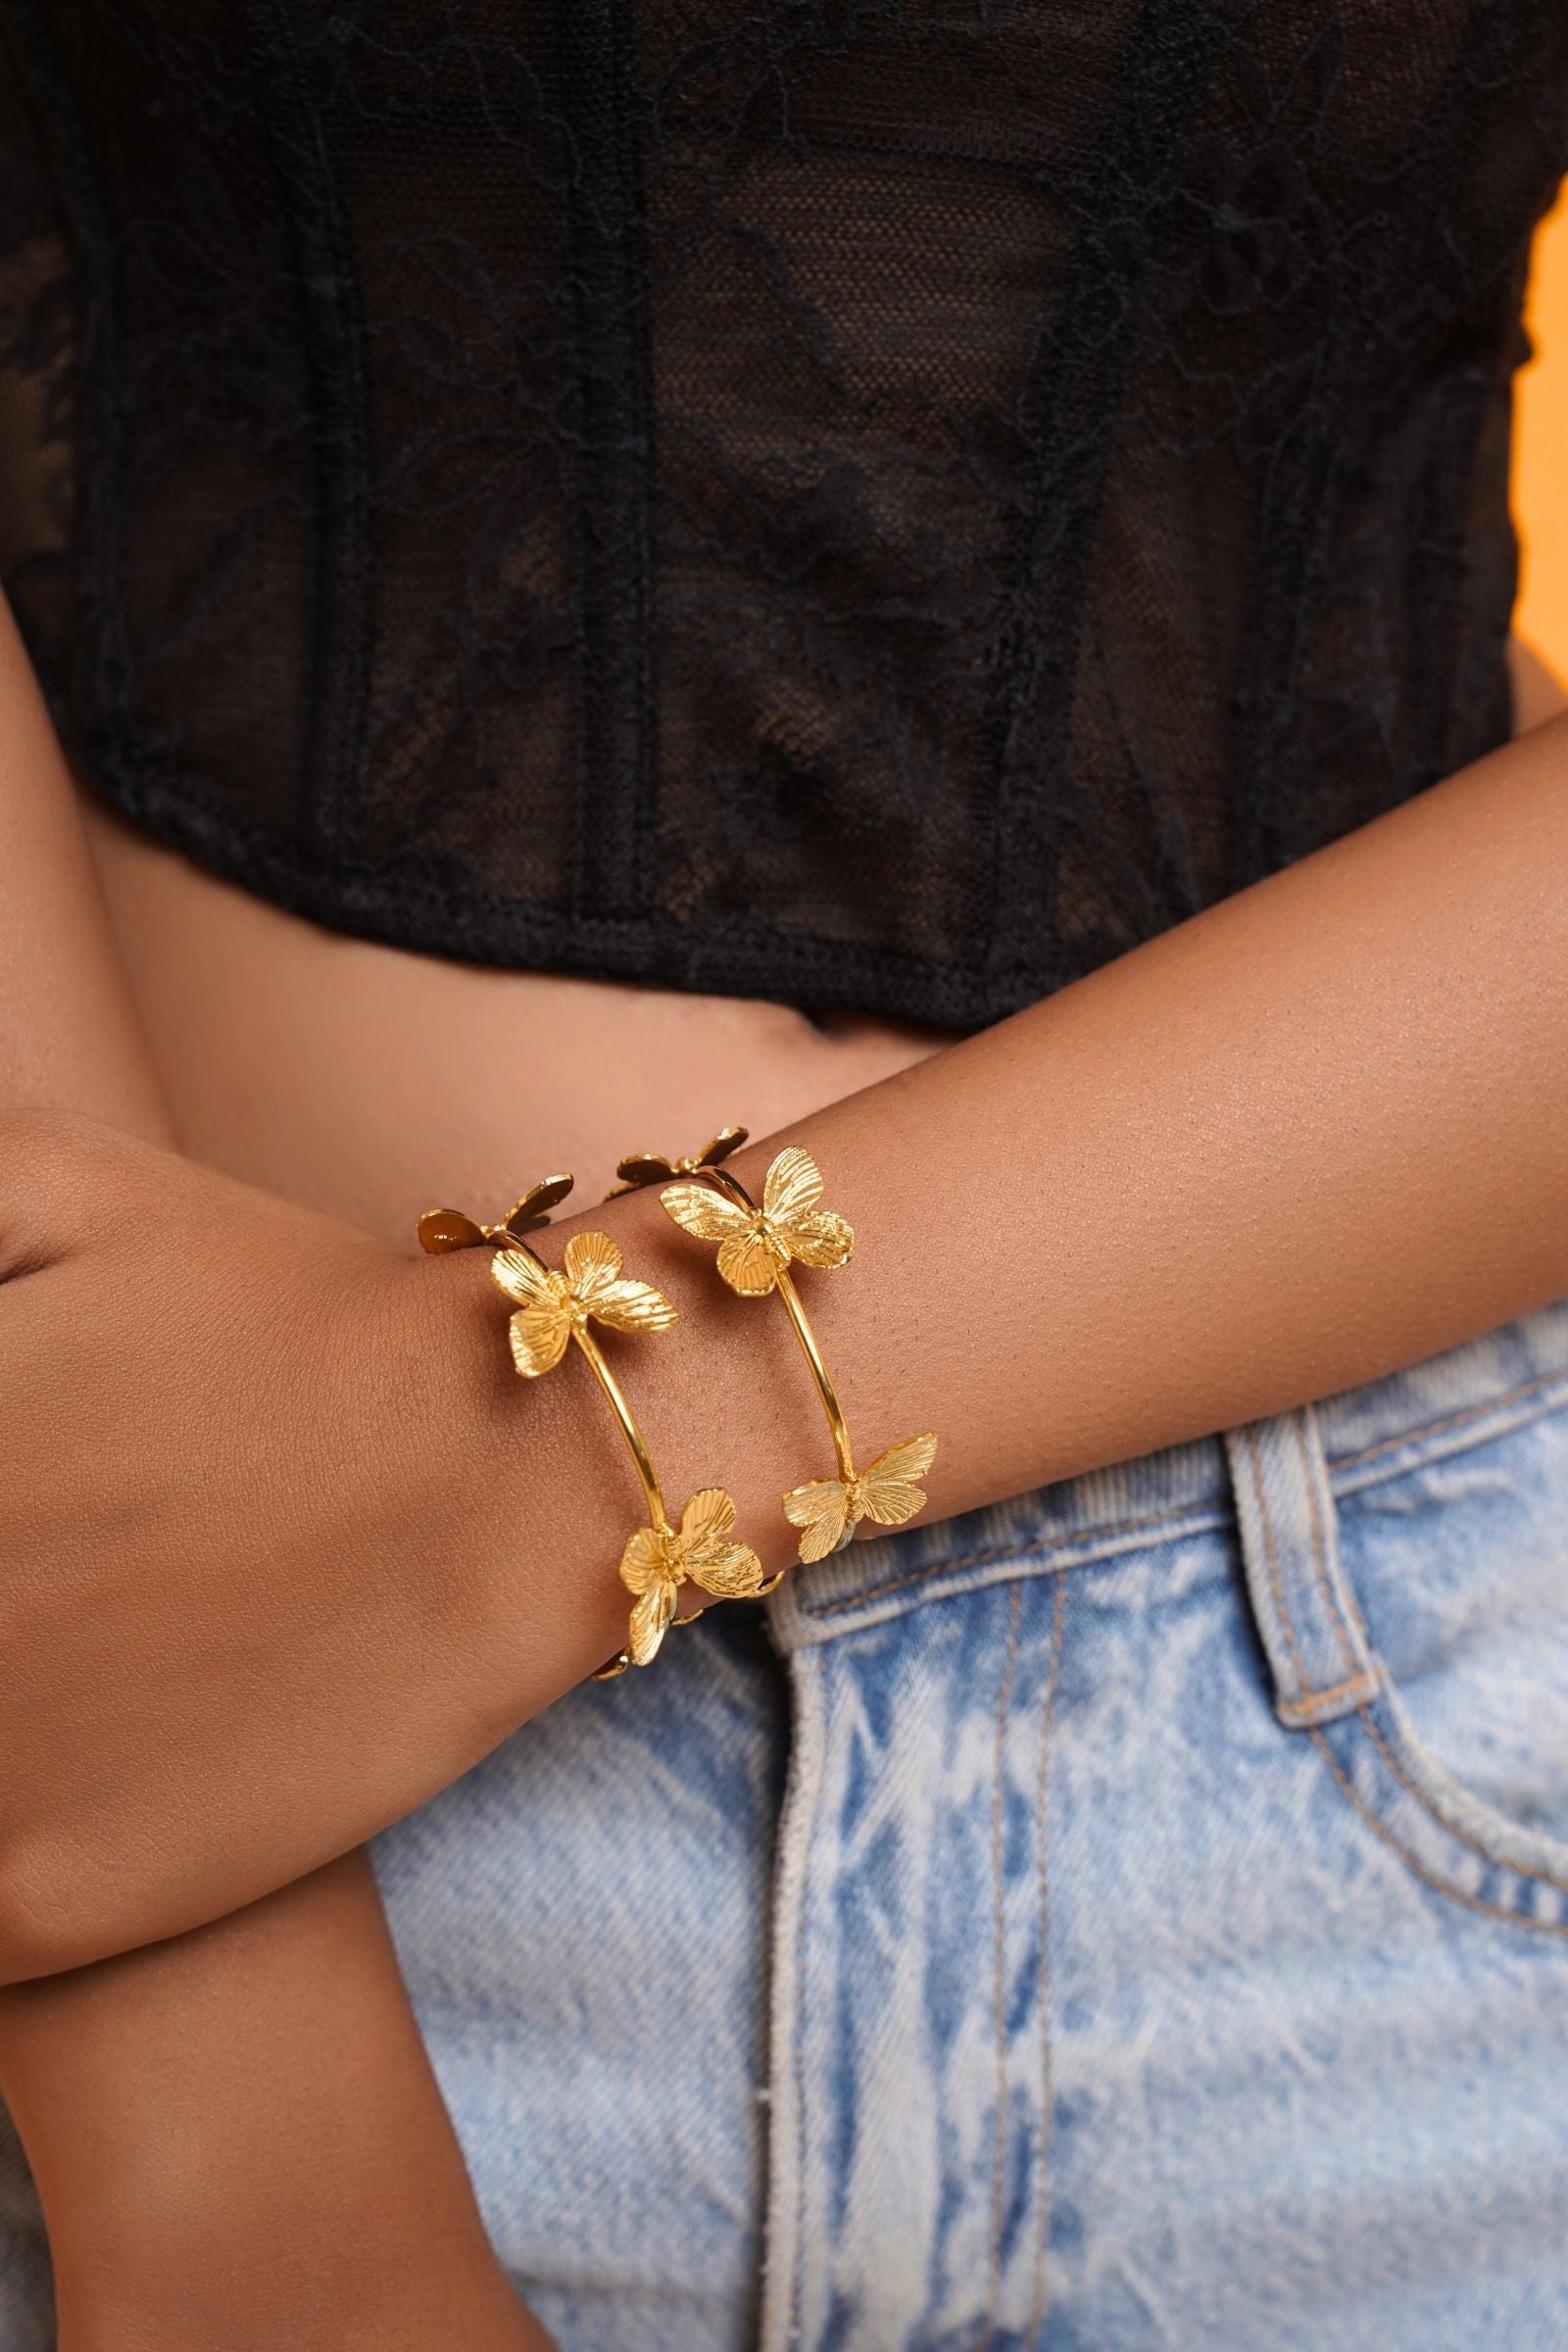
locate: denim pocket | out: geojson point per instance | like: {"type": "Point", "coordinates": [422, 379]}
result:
{"type": "Point", "coordinates": [1458, 1564]}
{"type": "Point", "coordinates": [1412, 1596]}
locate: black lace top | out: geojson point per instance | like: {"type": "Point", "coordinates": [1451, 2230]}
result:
{"type": "Point", "coordinates": [882, 504]}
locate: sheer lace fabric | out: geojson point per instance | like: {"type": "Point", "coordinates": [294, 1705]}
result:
{"type": "Point", "coordinates": [882, 504]}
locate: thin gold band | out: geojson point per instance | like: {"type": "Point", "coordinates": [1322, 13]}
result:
{"type": "Point", "coordinates": [722, 1180]}
{"type": "Point", "coordinates": [758, 1242]}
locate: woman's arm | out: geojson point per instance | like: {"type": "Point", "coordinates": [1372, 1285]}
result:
{"type": "Point", "coordinates": [236, 2137]}
{"type": "Point", "coordinates": [1319, 1131]}
{"type": "Point", "coordinates": [238, 2141]}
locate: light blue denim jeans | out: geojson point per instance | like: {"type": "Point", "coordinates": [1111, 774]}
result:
{"type": "Point", "coordinates": [1135, 1916]}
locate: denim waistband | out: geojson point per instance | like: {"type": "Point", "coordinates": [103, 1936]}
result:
{"type": "Point", "coordinates": [1350, 1440]}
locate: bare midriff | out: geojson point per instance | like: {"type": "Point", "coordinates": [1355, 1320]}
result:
{"type": "Point", "coordinates": [373, 1083]}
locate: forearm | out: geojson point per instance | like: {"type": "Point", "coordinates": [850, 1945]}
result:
{"type": "Point", "coordinates": [1318, 1132]}
{"type": "Point", "coordinates": [238, 2140]}
{"type": "Point", "coordinates": [236, 2135]}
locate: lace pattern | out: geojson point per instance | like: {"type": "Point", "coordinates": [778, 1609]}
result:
{"type": "Point", "coordinates": [882, 504]}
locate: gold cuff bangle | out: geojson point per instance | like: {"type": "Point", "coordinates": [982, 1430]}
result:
{"type": "Point", "coordinates": [757, 1246]}
{"type": "Point", "coordinates": [551, 1309]}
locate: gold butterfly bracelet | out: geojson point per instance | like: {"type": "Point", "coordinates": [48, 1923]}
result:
{"type": "Point", "coordinates": [554, 1310]}
{"type": "Point", "coordinates": [756, 1244]}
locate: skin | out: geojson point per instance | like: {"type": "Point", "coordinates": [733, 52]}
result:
{"type": "Point", "coordinates": [367, 1083]}
{"type": "Point", "coordinates": [1240, 1099]}
{"type": "Point", "coordinates": [368, 1550]}
{"type": "Point", "coordinates": [236, 2135]}
{"type": "Point", "coordinates": [238, 2141]}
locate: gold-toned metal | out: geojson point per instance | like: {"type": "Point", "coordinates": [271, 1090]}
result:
{"type": "Point", "coordinates": [444, 1229]}
{"type": "Point", "coordinates": [820, 1372]}
{"type": "Point", "coordinates": [552, 1308]}
{"type": "Point", "coordinates": [659, 1560]}
{"type": "Point", "coordinates": [827, 1510]}
{"type": "Point", "coordinates": [651, 1167]}
{"type": "Point", "coordinates": [757, 1246]}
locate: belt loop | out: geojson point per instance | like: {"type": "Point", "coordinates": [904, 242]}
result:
{"type": "Point", "coordinates": [1306, 1613]}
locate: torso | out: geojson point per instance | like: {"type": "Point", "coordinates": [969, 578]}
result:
{"type": "Point", "coordinates": [845, 514]}
{"type": "Point", "coordinates": [373, 1084]}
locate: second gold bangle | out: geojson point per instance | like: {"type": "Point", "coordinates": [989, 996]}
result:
{"type": "Point", "coordinates": [756, 1244]}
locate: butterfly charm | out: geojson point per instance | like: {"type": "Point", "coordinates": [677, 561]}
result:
{"type": "Point", "coordinates": [756, 1244]}
{"type": "Point", "coordinates": [551, 1306]}
{"type": "Point", "coordinates": [656, 1562]}
{"type": "Point", "coordinates": [827, 1510]}
{"type": "Point", "coordinates": [651, 1167]}
{"type": "Point", "coordinates": [443, 1229]}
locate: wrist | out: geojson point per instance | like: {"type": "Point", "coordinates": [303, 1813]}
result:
{"type": "Point", "coordinates": [411, 2296]}
{"type": "Point", "coordinates": [719, 1398]}
{"type": "Point", "coordinates": [237, 2140]}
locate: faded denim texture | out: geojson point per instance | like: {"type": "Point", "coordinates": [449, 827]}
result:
{"type": "Point", "coordinates": [1163, 1943]}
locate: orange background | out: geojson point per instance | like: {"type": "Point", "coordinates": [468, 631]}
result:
{"type": "Point", "coordinates": [1541, 450]}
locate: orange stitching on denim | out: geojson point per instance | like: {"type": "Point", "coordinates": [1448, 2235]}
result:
{"type": "Point", "coordinates": [999, 1921]}
{"type": "Point", "coordinates": [1320, 1546]}
{"type": "Point", "coordinates": [1048, 2089]}
{"type": "Point", "coordinates": [1523, 1869]}
{"type": "Point", "coordinates": [1365, 1680]}
{"type": "Point", "coordinates": [1452, 1895]}
{"type": "Point", "coordinates": [1271, 1556]}
{"type": "Point", "coordinates": [1013, 1550]}
{"type": "Point", "coordinates": [1429, 1429]}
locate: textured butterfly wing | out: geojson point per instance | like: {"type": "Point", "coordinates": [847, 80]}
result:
{"type": "Point", "coordinates": [729, 1571]}
{"type": "Point", "coordinates": [651, 1621]}
{"type": "Point", "coordinates": [793, 1185]}
{"type": "Point", "coordinates": [709, 1555]}
{"type": "Point", "coordinates": [888, 1489]}
{"type": "Point", "coordinates": [443, 1229]}
{"type": "Point", "coordinates": [749, 1261]}
{"type": "Point", "coordinates": [593, 1262]}
{"type": "Point", "coordinates": [726, 1141]}
{"type": "Point", "coordinates": [539, 1335]}
{"type": "Point", "coordinates": [710, 1514]}
{"type": "Point", "coordinates": [643, 1562]}
{"type": "Point", "coordinates": [633, 1307]}
{"type": "Point", "coordinates": [524, 1280]}
{"type": "Point", "coordinates": [820, 1239]}
{"type": "Point", "coordinates": [704, 1214]}
{"type": "Point", "coordinates": [821, 1509]}
{"type": "Point", "coordinates": [643, 1167]}
{"type": "Point", "coordinates": [593, 1269]}
{"type": "Point", "coordinates": [533, 1207]}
